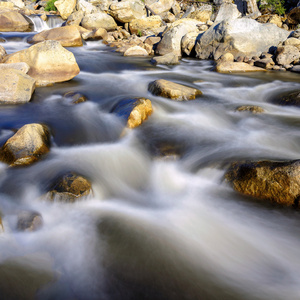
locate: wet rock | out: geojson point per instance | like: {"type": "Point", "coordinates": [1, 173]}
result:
{"type": "Point", "coordinates": [1, 225]}
{"type": "Point", "coordinates": [136, 51]}
{"type": "Point", "coordinates": [68, 36]}
{"type": "Point", "coordinates": [13, 21]}
{"type": "Point", "coordinates": [49, 62]}
{"type": "Point", "coordinates": [16, 87]}
{"type": "Point", "coordinates": [65, 7]}
{"type": "Point", "coordinates": [140, 26]}
{"type": "Point", "coordinates": [70, 188]}
{"type": "Point", "coordinates": [126, 11]}
{"type": "Point", "coordinates": [171, 41]}
{"type": "Point", "coordinates": [168, 59]}
{"type": "Point", "coordinates": [251, 108]}
{"type": "Point", "coordinates": [286, 55]}
{"type": "Point", "coordinates": [266, 63]}
{"type": "Point", "coordinates": [133, 111]}
{"type": "Point", "coordinates": [99, 20]}
{"type": "Point", "coordinates": [74, 97]}
{"type": "Point", "coordinates": [172, 90]}
{"type": "Point", "coordinates": [292, 98]}
{"type": "Point", "coordinates": [277, 182]}
{"type": "Point", "coordinates": [29, 221]}
{"type": "Point", "coordinates": [243, 36]}
{"type": "Point", "coordinates": [160, 6]}
{"type": "Point", "coordinates": [22, 67]}
{"type": "Point", "coordinates": [295, 69]}
{"type": "Point", "coordinates": [26, 146]}
{"type": "Point", "coordinates": [236, 67]}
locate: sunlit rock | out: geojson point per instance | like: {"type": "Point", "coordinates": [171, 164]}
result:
{"type": "Point", "coordinates": [160, 6]}
{"type": "Point", "coordinates": [65, 7]}
{"type": "Point", "coordinates": [75, 18]}
{"type": "Point", "coordinates": [16, 87]}
{"type": "Point", "coordinates": [99, 20]}
{"type": "Point", "coordinates": [2, 52]}
{"type": "Point", "coordinates": [287, 54]}
{"type": "Point", "coordinates": [168, 59]}
{"type": "Point", "coordinates": [26, 146]}
{"type": "Point", "coordinates": [136, 51]}
{"type": "Point", "coordinates": [172, 90]}
{"type": "Point", "coordinates": [68, 36]}
{"type": "Point", "coordinates": [70, 188]}
{"type": "Point", "coordinates": [251, 108]}
{"type": "Point", "coordinates": [21, 66]}
{"type": "Point", "coordinates": [140, 26]}
{"type": "Point", "coordinates": [188, 43]}
{"type": "Point", "coordinates": [133, 111]}
{"type": "Point", "coordinates": [277, 182]}
{"type": "Point", "coordinates": [202, 15]}
{"type": "Point", "coordinates": [13, 21]}
{"type": "Point", "coordinates": [29, 221]}
{"type": "Point", "coordinates": [49, 62]}
{"type": "Point", "coordinates": [228, 11]}
{"type": "Point", "coordinates": [236, 67]}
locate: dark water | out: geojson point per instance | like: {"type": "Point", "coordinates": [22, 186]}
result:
{"type": "Point", "coordinates": [167, 229]}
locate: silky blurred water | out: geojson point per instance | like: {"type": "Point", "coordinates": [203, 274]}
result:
{"type": "Point", "coordinates": [156, 227]}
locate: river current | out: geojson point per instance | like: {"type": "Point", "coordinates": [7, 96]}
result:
{"type": "Point", "coordinates": [156, 228]}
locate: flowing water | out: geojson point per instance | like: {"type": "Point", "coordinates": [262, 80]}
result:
{"type": "Point", "coordinates": [155, 228]}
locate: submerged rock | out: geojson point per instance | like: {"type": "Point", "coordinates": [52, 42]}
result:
{"type": "Point", "coordinates": [29, 221]}
{"type": "Point", "coordinates": [251, 108]}
{"type": "Point", "coordinates": [69, 188]}
{"type": "Point", "coordinates": [278, 182]}
{"type": "Point", "coordinates": [134, 111]}
{"type": "Point", "coordinates": [12, 21]}
{"type": "Point", "coordinates": [292, 98]}
{"type": "Point", "coordinates": [68, 36]}
{"type": "Point", "coordinates": [16, 87]}
{"type": "Point", "coordinates": [172, 90]}
{"type": "Point", "coordinates": [26, 146]}
{"type": "Point", "coordinates": [48, 61]}
{"type": "Point", "coordinates": [75, 97]}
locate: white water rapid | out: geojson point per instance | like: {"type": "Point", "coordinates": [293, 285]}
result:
{"type": "Point", "coordinates": [155, 229]}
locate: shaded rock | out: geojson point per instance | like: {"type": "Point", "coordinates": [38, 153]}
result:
{"type": "Point", "coordinates": [75, 18]}
{"type": "Point", "coordinates": [251, 108]}
{"type": "Point", "coordinates": [171, 41]}
{"type": "Point", "coordinates": [136, 51]}
{"type": "Point", "coordinates": [1, 225]}
{"type": "Point", "coordinates": [65, 7]}
{"type": "Point", "coordinates": [287, 54]}
{"type": "Point", "coordinates": [292, 98]}
{"type": "Point", "coordinates": [16, 87]}
{"type": "Point", "coordinates": [69, 188]}
{"type": "Point", "coordinates": [29, 221]}
{"type": "Point", "coordinates": [168, 59]}
{"type": "Point", "coordinates": [48, 61]}
{"type": "Point", "coordinates": [295, 69]}
{"type": "Point", "coordinates": [68, 36]}
{"type": "Point", "coordinates": [236, 67]}
{"type": "Point", "coordinates": [21, 66]}
{"type": "Point", "coordinates": [140, 26]}
{"type": "Point", "coordinates": [267, 180]}
{"type": "Point", "coordinates": [152, 40]}
{"type": "Point", "coordinates": [172, 90]}
{"type": "Point", "coordinates": [266, 63]}
{"type": "Point", "coordinates": [296, 34]}
{"type": "Point", "coordinates": [133, 111]}
{"type": "Point", "coordinates": [126, 11]}
{"type": "Point", "coordinates": [160, 6]}
{"type": "Point", "coordinates": [26, 146]}
{"type": "Point", "coordinates": [188, 42]}
{"type": "Point", "coordinates": [75, 97]}
{"type": "Point", "coordinates": [13, 21]}
{"type": "Point", "coordinates": [99, 20]}
{"type": "Point", "coordinates": [293, 17]}
{"type": "Point", "coordinates": [243, 36]}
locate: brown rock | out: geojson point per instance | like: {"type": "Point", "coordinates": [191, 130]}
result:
{"type": "Point", "coordinates": [74, 97]}
{"type": "Point", "coordinates": [12, 21]}
{"type": "Point", "coordinates": [251, 108]}
{"type": "Point", "coordinates": [2, 53]}
{"type": "Point", "coordinates": [277, 182]}
{"type": "Point", "coordinates": [68, 36]}
{"type": "Point", "coordinates": [168, 59]}
{"type": "Point", "coordinates": [236, 67]}
{"type": "Point", "coordinates": [172, 90]}
{"type": "Point", "coordinates": [70, 187]}
{"type": "Point", "coordinates": [26, 146]}
{"type": "Point", "coordinates": [287, 54]}
{"type": "Point", "coordinates": [266, 63]}
{"type": "Point", "coordinates": [293, 16]}
{"type": "Point", "coordinates": [138, 26]}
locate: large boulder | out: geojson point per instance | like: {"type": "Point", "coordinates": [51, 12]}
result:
{"type": "Point", "coordinates": [126, 11]}
{"type": "Point", "coordinates": [139, 26]}
{"type": "Point", "coordinates": [133, 111]}
{"type": "Point", "coordinates": [172, 90]}
{"type": "Point", "coordinates": [171, 41]}
{"type": "Point", "coordinates": [12, 21]}
{"type": "Point", "coordinates": [278, 182]}
{"type": "Point", "coordinates": [65, 7]}
{"type": "Point", "coordinates": [26, 146]}
{"type": "Point", "coordinates": [49, 62]}
{"type": "Point", "coordinates": [160, 6]}
{"type": "Point", "coordinates": [241, 37]}
{"type": "Point", "coordinates": [68, 36]}
{"type": "Point", "coordinates": [16, 87]}
{"type": "Point", "coordinates": [287, 54]}
{"type": "Point", "coordinates": [99, 20]}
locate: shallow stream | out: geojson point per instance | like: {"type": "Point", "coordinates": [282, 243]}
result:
{"type": "Point", "coordinates": [156, 228]}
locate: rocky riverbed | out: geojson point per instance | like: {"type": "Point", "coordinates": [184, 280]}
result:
{"type": "Point", "coordinates": [149, 150]}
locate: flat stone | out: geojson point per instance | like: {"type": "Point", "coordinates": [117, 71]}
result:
{"type": "Point", "coordinates": [236, 67]}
